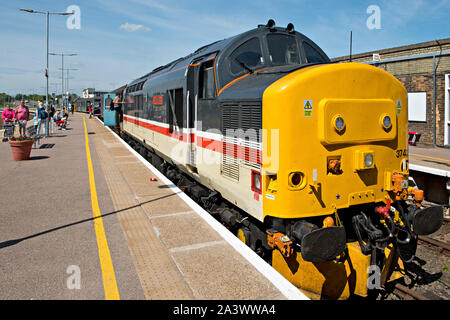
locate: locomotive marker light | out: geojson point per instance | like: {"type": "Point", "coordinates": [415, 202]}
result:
{"type": "Point", "coordinates": [368, 160]}
{"type": "Point", "coordinates": [386, 122]}
{"type": "Point", "coordinates": [339, 123]}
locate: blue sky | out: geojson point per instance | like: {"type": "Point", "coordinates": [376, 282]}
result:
{"type": "Point", "coordinates": [120, 40]}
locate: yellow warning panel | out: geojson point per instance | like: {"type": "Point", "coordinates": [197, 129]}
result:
{"type": "Point", "coordinates": [307, 108]}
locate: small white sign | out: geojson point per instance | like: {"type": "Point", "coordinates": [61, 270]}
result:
{"type": "Point", "coordinates": [270, 196]}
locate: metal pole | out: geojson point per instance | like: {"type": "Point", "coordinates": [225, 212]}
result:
{"type": "Point", "coordinates": [434, 100]}
{"type": "Point", "coordinates": [47, 133]}
{"type": "Point", "coordinates": [351, 40]}
{"type": "Point", "coordinates": [62, 79]}
{"type": "Point", "coordinates": [46, 97]}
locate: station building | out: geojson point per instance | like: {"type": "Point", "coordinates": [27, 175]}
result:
{"type": "Point", "coordinates": [424, 70]}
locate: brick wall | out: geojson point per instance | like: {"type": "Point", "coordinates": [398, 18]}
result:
{"type": "Point", "coordinates": [417, 76]}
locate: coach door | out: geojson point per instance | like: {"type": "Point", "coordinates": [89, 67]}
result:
{"type": "Point", "coordinates": [191, 114]}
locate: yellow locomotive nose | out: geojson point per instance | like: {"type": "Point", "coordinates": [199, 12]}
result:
{"type": "Point", "coordinates": [339, 127]}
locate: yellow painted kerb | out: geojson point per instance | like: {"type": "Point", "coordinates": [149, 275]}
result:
{"type": "Point", "coordinates": [109, 278]}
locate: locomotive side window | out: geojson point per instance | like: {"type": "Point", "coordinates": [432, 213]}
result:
{"type": "Point", "coordinates": [312, 55]}
{"type": "Point", "coordinates": [207, 85]}
{"type": "Point", "coordinates": [283, 49]}
{"type": "Point", "coordinates": [247, 55]}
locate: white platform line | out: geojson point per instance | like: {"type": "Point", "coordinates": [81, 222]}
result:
{"type": "Point", "coordinates": [438, 172]}
{"type": "Point", "coordinates": [284, 286]}
{"type": "Point", "coordinates": [171, 214]}
{"type": "Point", "coordinates": [196, 246]}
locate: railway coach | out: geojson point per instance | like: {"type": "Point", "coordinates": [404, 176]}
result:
{"type": "Point", "coordinates": [303, 159]}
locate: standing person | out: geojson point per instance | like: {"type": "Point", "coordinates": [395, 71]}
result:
{"type": "Point", "coordinates": [44, 116]}
{"type": "Point", "coordinates": [8, 114]}
{"type": "Point", "coordinates": [22, 113]}
{"type": "Point", "coordinates": [51, 112]}
{"type": "Point", "coordinates": [118, 107]}
{"type": "Point", "coordinates": [37, 119]}
{"type": "Point", "coordinates": [90, 109]}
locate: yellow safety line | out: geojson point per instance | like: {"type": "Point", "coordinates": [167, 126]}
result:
{"type": "Point", "coordinates": [109, 278]}
{"type": "Point", "coordinates": [419, 155]}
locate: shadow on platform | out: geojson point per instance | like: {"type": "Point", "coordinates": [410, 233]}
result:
{"type": "Point", "coordinates": [12, 242]}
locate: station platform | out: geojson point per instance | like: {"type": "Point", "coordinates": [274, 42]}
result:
{"type": "Point", "coordinates": [437, 160]}
{"type": "Point", "coordinates": [82, 219]}
{"type": "Point", "coordinates": [429, 167]}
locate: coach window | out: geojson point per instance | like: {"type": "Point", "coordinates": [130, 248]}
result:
{"type": "Point", "coordinates": [207, 86]}
{"type": "Point", "coordinates": [312, 55]}
{"type": "Point", "coordinates": [247, 55]}
{"type": "Point", "coordinates": [283, 49]}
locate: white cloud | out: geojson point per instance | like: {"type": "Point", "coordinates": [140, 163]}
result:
{"type": "Point", "coordinates": [130, 27]}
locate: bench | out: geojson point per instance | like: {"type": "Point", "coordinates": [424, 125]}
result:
{"type": "Point", "coordinates": [413, 137]}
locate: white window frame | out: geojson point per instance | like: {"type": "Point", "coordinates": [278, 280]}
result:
{"type": "Point", "coordinates": [417, 106]}
{"type": "Point", "coordinates": [447, 110]}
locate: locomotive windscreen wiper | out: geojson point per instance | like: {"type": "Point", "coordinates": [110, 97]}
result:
{"type": "Point", "coordinates": [243, 65]}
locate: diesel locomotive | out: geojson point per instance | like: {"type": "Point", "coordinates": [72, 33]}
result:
{"type": "Point", "coordinates": [305, 160]}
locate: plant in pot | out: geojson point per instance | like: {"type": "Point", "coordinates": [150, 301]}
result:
{"type": "Point", "coordinates": [21, 147]}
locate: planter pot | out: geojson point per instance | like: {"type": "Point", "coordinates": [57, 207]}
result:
{"type": "Point", "coordinates": [21, 149]}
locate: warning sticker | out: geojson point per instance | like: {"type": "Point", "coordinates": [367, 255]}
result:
{"type": "Point", "coordinates": [307, 108]}
{"type": "Point", "coordinates": [399, 106]}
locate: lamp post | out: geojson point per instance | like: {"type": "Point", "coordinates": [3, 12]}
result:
{"type": "Point", "coordinates": [47, 13]}
{"type": "Point", "coordinates": [67, 81]}
{"type": "Point", "coordinates": [62, 67]}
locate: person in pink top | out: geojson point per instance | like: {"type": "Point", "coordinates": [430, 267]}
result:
{"type": "Point", "coordinates": [8, 114]}
{"type": "Point", "coordinates": [22, 118]}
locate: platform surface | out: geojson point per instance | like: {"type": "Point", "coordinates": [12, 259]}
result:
{"type": "Point", "coordinates": [158, 246]}
{"type": "Point", "coordinates": [436, 159]}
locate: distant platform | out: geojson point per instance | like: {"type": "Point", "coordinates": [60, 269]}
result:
{"type": "Point", "coordinates": [430, 168]}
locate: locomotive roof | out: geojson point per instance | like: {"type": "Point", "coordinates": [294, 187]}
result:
{"type": "Point", "coordinates": [216, 46]}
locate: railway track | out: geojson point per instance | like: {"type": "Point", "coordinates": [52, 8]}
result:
{"type": "Point", "coordinates": [434, 244]}
{"type": "Point", "coordinates": [407, 294]}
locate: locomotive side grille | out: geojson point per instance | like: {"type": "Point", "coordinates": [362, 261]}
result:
{"type": "Point", "coordinates": [251, 121]}
{"type": "Point", "coordinates": [241, 126]}
{"type": "Point", "coordinates": [251, 124]}
{"type": "Point", "coordinates": [230, 122]}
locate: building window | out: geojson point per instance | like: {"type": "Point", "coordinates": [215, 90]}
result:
{"type": "Point", "coordinates": [417, 106]}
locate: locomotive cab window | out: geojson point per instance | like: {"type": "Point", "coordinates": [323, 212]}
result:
{"type": "Point", "coordinates": [206, 81]}
{"type": "Point", "coordinates": [283, 49]}
{"type": "Point", "coordinates": [247, 55]}
{"type": "Point", "coordinates": [312, 55]}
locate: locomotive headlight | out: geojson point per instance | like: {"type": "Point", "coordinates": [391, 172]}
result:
{"type": "Point", "coordinates": [364, 159]}
{"type": "Point", "coordinates": [386, 122]}
{"type": "Point", "coordinates": [339, 123]}
{"type": "Point", "coordinates": [368, 159]}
